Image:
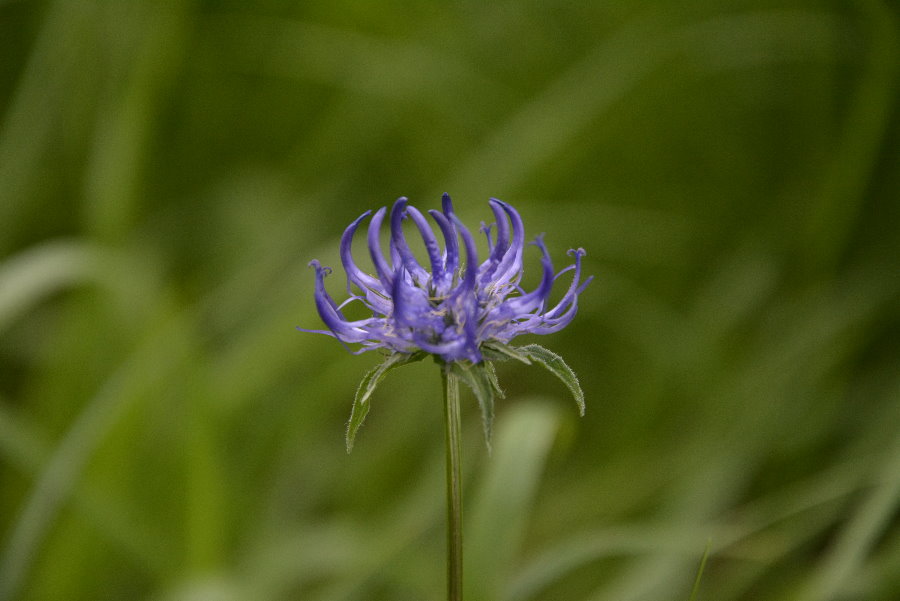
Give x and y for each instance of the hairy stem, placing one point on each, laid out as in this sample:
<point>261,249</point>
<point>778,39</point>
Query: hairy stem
<point>454,486</point>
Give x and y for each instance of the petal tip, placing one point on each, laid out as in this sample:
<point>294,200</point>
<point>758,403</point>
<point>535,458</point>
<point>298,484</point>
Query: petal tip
<point>324,270</point>
<point>447,204</point>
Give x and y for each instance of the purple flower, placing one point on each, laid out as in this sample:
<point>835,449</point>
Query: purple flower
<point>457,305</point>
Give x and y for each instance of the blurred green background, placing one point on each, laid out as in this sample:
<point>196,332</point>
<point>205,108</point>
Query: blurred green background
<point>168,168</point>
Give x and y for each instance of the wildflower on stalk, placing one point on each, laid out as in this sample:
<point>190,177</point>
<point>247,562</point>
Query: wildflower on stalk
<point>460,311</point>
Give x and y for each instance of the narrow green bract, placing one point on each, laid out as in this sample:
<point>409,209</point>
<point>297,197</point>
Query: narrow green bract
<point>492,376</point>
<point>555,364</point>
<point>534,353</point>
<point>478,378</point>
<point>367,386</point>
<point>499,350</point>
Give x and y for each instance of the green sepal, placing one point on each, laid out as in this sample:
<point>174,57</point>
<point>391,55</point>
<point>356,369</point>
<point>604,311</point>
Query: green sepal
<point>494,350</point>
<point>478,377</point>
<point>492,375</point>
<point>367,386</point>
<point>555,364</point>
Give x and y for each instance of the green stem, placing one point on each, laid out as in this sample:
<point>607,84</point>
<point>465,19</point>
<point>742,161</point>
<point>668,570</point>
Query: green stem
<point>454,486</point>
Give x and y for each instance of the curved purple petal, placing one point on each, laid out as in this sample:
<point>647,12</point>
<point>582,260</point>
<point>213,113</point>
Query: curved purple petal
<point>528,302</point>
<point>571,293</point>
<point>467,285</point>
<point>347,331</point>
<point>431,245</point>
<point>411,306</point>
<point>550,326</point>
<point>489,267</point>
<point>398,243</point>
<point>354,273</point>
<point>510,267</point>
<point>486,230</point>
<point>452,348</point>
<point>446,205</point>
<point>384,271</point>
<point>451,252</point>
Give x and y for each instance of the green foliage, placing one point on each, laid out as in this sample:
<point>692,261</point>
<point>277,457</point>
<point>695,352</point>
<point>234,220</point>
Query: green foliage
<point>367,386</point>
<point>483,383</point>
<point>555,365</point>
<point>168,168</point>
<point>695,590</point>
<point>504,496</point>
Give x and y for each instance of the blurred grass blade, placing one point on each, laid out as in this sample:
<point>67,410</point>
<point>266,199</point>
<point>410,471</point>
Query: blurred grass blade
<point>25,452</point>
<point>696,588</point>
<point>71,456</point>
<point>17,446</point>
<point>125,134</point>
<point>543,126</point>
<point>845,186</point>
<point>859,535</point>
<point>581,549</point>
<point>502,503</point>
<point>38,272</point>
<point>41,100</point>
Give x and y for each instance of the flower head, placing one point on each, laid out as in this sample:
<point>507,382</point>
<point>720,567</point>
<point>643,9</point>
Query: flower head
<point>453,308</point>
